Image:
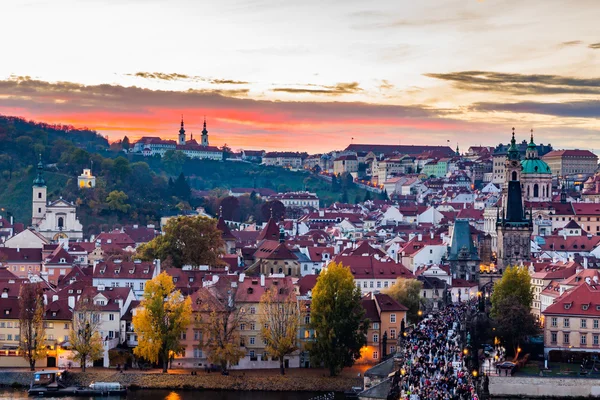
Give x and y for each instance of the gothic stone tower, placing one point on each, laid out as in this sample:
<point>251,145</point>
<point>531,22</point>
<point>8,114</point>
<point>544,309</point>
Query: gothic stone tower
<point>513,228</point>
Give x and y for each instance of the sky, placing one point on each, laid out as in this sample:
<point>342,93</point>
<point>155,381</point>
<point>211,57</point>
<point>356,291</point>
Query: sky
<point>308,75</point>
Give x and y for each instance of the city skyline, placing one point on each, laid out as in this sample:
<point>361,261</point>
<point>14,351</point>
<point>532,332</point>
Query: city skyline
<point>311,76</point>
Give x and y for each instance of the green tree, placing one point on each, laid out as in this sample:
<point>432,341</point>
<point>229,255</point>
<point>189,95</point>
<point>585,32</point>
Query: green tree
<point>337,317</point>
<point>173,161</point>
<point>511,307</point>
<point>117,201</point>
<point>186,240</point>
<point>384,195</point>
<point>408,293</point>
<point>344,197</point>
<point>367,196</point>
<point>181,188</point>
<point>32,340</point>
<point>164,314</point>
<point>121,169</point>
<point>125,144</point>
<point>280,318</point>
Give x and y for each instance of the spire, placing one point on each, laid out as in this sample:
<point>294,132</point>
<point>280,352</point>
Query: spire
<point>39,180</point>
<point>204,131</point>
<point>457,151</point>
<point>513,152</point>
<point>181,130</point>
<point>531,142</point>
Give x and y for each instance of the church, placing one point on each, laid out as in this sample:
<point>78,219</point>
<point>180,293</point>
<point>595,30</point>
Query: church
<point>513,227</point>
<point>56,219</point>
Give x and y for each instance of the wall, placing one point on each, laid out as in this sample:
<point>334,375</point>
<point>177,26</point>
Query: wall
<point>543,387</point>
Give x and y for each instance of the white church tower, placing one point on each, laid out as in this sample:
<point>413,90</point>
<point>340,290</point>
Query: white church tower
<point>39,196</point>
<point>204,134</point>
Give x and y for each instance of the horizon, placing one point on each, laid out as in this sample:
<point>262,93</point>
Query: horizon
<point>311,77</point>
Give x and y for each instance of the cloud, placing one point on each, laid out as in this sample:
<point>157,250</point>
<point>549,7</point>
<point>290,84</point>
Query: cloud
<point>385,85</point>
<point>571,43</point>
<point>519,84</point>
<point>228,82</point>
<point>161,76</point>
<point>336,90</point>
<point>575,109</point>
<point>594,46</point>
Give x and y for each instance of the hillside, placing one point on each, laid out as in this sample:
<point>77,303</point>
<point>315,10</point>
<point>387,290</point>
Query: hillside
<point>130,188</point>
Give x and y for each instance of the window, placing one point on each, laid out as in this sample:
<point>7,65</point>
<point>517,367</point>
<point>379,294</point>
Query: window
<point>307,319</point>
<point>365,284</point>
<point>554,321</point>
<point>596,339</point>
<point>306,334</point>
<point>375,338</point>
<point>66,325</point>
<point>375,325</point>
<point>375,355</point>
<point>197,335</point>
<point>9,337</point>
<point>252,326</point>
<point>111,317</point>
<point>242,327</point>
<point>583,339</point>
<point>378,284</point>
<point>566,338</point>
<point>183,335</point>
<point>553,337</point>
<point>371,284</point>
<point>566,322</point>
<point>198,353</point>
<point>252,340</point>
<point>392,334</point>
<point>141,286</point>
<point>264,342</point>
<point>392,349</point>
<point>583,323</point>
<point>595,324</point>
<point>252,310</point>
<point>393,318</point>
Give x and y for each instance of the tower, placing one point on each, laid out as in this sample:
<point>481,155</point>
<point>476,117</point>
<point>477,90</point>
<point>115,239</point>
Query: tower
<point>204,134</point>
<point>536,176</point>
<point>513,228</point>
<point>39,196</point>
<point>181,133</point>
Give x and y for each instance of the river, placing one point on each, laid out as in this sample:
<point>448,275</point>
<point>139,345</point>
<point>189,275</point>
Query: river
<point>185,395</point>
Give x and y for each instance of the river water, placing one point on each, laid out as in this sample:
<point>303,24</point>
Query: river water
<point>186,395</point>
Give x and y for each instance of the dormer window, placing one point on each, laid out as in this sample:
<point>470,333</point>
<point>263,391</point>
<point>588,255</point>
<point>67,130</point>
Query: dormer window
<point>567,306</point>
<point>62,261</point>
<point>191,279</point>
<point>584,307</point>
<point>54,313</point>
<point>70,291</point>
<point>7,311</point>
<point>198,301</point>
<point>175,280</point>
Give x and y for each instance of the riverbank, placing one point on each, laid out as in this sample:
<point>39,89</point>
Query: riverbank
<point>543,388</point>
<point>297,380</point>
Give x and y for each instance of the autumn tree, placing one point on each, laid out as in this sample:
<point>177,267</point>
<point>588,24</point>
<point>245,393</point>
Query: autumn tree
<point>117,201</point>
<point>186,240</point>
<point>164,314</point>
<point>274,209</point>
<point>280,319</point>
<point>31,319</point>
<point>219,321</point>
<point>511,307</point>
<point>84,337</point>
<point>338,318</point>
<point>408,293</point>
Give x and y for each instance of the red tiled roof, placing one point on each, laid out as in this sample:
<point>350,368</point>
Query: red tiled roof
<point>307,283</point>
<point>582,300</point>
<point>9,254</point>
<point>226,232</point>
<point>269,232</point>
<point>370,310</point>
<point>570,153</point>
<point>124,270</point>
<point>386,303</point>
<point>367,267</point>
<point>250,290</point>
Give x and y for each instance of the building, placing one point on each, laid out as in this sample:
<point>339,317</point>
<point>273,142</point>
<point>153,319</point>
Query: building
<point>571,163</point>
<point>297,199</point>
<point>499,157</point>
<point>54,220</point>
<point>124,274</point>
<point>345,164</point>
<point>284,159</point>
<point>382,149</point>
<point>86,179</point>
<point>513,228</point>
<point>536,175</point>
<point>463,257</point>
<point>572,323</point>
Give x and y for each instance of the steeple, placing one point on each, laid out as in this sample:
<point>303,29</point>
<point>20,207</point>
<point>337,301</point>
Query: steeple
<point>204,134</point>
<point>39,180</point>
<point>513,152</point>
<point>457,151</point>
<point>181,133</point>
<point>531,152</point>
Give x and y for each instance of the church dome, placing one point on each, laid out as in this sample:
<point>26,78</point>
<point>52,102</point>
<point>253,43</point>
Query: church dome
<point>535,166</point>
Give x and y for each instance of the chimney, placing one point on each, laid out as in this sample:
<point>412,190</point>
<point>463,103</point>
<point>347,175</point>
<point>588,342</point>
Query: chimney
<point>71,302</point>
<point>54,297</point>
<point>157,267</point>
<point>595,278</point>
<point>262,280</point>
<point>585,262</point>
<point>45,299</point>
<point>18,250</point>
<point>420,237</point>
<point>432,235</point>
<point>242,276</point>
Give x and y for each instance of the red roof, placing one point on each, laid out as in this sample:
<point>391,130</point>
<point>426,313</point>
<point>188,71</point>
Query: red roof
<point>226,232</point>
<point>281,252</point>
<point>370,310</point>
<point>386,303</point>
<point>586,208</point>
<point>269,232</point>
<point>251,291</point>
<point>367,267</point>
<point>307,283</point>
<point>570,153</point>
<point>124,270</point>
<point>582,300</point>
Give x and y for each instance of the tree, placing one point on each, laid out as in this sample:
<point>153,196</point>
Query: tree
<point>408,293</point>
<point>338,319</point>
<point>219,320</point>
<point>116,201</point>
<point>125,143</point>
<point>173,161</point>
<point>273,209</point>
<point>335,184</point>
<point>164,314</point>
<point>31,319</point>
<point>384,195</point>
<point>181,188</point>
<point>229,207</point>
<point>121,168</point>
<point>280,320</point>
<point>186,240</point>
<point>84,337</point>
<point>511,306</point>
<point>367,196</point>
<point>515,283</point>
<point>344,197</point>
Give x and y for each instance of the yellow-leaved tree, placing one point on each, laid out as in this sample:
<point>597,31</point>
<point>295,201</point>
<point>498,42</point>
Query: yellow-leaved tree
<point>280,318</point>
<point>164,314</point>
<point>84,337</point>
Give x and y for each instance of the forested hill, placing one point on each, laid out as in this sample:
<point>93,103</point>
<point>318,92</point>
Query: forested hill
<point>130,188</point>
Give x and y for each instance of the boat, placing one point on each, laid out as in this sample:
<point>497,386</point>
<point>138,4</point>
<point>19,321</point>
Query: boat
<point>53,383</point>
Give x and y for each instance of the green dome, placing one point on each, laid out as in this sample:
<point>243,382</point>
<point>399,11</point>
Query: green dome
<point>535,166</point>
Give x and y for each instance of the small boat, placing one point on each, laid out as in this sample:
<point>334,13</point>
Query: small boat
<point>353,393</point>
<point>52,383</point>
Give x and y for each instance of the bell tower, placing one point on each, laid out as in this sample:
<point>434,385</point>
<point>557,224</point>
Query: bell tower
<point>204,134</point>
<point>181,133</point>
<point>39,196</point>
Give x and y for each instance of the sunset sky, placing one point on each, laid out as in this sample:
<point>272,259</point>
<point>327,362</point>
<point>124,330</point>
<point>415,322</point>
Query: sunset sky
<point>308,75</point>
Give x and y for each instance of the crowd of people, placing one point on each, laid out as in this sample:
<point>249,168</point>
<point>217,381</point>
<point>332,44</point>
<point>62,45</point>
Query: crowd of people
<point>431,359</point>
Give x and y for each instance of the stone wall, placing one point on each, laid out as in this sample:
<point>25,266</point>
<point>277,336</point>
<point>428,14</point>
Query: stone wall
<point>152,380</point>
<point>529,387</point>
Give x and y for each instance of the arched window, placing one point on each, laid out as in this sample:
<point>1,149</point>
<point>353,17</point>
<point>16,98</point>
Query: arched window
<point>61,222</point>
<point>536,190</point>
<point>39,195</point>
<point>528,191</point>
<point>514,175</point>
<point>544,191</point>
<point>280,270</point>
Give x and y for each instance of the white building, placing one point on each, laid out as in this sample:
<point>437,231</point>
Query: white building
<point>86,179</point>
